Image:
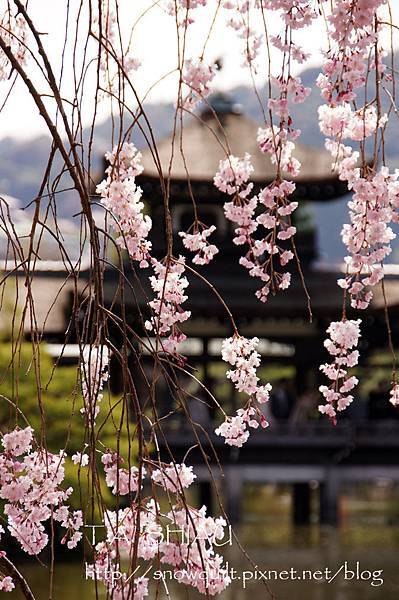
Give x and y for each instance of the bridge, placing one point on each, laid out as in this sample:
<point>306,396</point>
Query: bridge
<point>296,455</point>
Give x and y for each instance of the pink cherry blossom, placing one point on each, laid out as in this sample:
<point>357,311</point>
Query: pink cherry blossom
<point>122,198</point>
<point>18,441</point>
<point>14,32</point>
<point>122,481</point>
<point>196,240</point>
<point>182,10</point>
<point>6,584</point>
<point>190,553</point>
<point>31,485</point>
<point>94,374</point>
<point>174,477</point>
<point>275,210</point>
<point>80,459</point>
<point>341,345</point>
<point>394,395</point>
<point>197,76</point>
<point>241,353</point>
<point>169,285</point>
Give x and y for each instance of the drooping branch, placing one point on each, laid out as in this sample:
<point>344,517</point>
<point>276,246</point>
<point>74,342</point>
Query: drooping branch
<point>18,577</point>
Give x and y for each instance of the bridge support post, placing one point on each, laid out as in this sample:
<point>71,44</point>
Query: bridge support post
<point>329,498</point>
<point>233,492</point>
<point>301,496</point>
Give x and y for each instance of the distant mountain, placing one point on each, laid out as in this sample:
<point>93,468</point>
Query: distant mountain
<point>23,162</point>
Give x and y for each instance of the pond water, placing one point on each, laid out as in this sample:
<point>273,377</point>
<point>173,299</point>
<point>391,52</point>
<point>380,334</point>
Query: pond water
<point>305,550</point>
<point>367,542</point>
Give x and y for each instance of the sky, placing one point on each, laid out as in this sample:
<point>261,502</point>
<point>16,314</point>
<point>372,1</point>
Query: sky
<point>154,44</point>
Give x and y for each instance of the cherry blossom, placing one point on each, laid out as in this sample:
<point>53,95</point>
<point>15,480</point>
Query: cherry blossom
<point>278,143</point>
<point>275,208</point>
<point>241,353</point>
<point>113,57</point>
<point>122,481</point>
<point>80,459</point>
<point>191,551</point>
<point>341,345</point>
<point>369,234</point>
<point>233,173</point>
<point>197,76</point>
<point>169,285</point>
<point>30,483</point>
<point>342,122</point>
<point>239,19</point>
<point>297,53</point>
<point>195,554</point>
<point>122,197</point>
<point>196,240</point>
<point>394,395</point>
<point>297,14</point>
<point>14,33</point>
<point>174,477</point>
<point>182,10</point>
<point>72,522</point>
<point>94,373</point>
<point>18,441</point>
<point>6,584</point>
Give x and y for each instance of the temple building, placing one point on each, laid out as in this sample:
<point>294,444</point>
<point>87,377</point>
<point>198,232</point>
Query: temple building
<point>299,447</point>
<point>288,337</point>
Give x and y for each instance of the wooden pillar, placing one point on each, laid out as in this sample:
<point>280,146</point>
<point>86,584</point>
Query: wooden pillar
<point>301,507</point>
<point>205,495</point>
<point>234,491</point>
<point>329,498</point>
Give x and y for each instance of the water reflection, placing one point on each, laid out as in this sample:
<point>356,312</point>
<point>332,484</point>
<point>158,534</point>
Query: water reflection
<point>369,537</point>
<point>303,549</point>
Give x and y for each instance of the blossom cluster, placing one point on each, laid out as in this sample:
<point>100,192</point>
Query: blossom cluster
<point>14,33</point>
<point>122,198</point>
<point>271,209</point>
<point>278,142</point>
<point>169,285</point>
<point>342,346</point>
<point>281,144</point>
<point>355,48</point>
<point>31,485</point>
<point>174,477</point>
<point>368,236</point>
<point>191,555</point>
<point>182,10</point>
<point>275,140</point>
<point>94,373</point>
<point>197,76</point>
<point>352,32</point>
<point>6,584</point>
<point>244,14</point>
<point>142,524</point>
<point>239,20</point>
<point>372,207</point>
<point>121,481</point>
<point>196,240</point>
<point>394,395</point>
<point>241,353</point>
<point>195,553</point>
<point>296,14</point>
